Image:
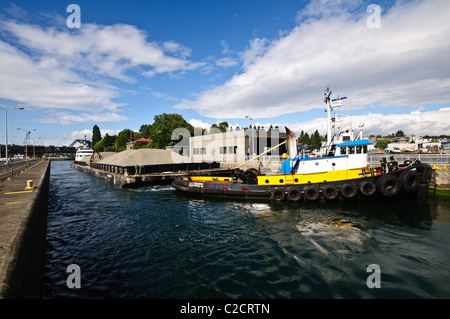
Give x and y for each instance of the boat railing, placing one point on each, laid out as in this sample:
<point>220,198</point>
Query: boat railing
<point>432,159</point>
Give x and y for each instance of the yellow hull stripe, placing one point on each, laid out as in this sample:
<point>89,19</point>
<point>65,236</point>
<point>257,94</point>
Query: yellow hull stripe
<point>292,179</point>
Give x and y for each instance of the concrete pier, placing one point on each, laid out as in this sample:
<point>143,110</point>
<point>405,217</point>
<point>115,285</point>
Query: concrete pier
<point>440,179</point>
<point>23,214</point>
<point>128,180</point>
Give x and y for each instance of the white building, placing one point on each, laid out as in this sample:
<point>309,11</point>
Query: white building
<point>237,146</point>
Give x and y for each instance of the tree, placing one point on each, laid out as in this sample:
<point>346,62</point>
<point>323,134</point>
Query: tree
<point>304,138</point>
<point>96,135</point>
<point>223,126</point>
<point>122,138</point>
<point>107,143</point>
<point>315,140</point>
<point>160,132</point>
<point>382,143</point>
<point>145,130</point>
<point>399,134</point>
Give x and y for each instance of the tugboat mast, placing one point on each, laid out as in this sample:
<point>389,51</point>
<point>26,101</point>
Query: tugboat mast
<point>327,101</point>
<point>331,120</point>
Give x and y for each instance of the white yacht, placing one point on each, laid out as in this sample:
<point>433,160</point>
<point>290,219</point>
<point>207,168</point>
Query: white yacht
<point>84,153</point>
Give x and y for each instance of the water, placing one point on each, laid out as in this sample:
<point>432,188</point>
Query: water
<point>154,242</point>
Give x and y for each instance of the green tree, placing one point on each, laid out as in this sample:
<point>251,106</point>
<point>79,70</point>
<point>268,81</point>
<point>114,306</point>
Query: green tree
<point>399,134</point>
<point>160,131</point>
<point>382,143</point>
<point>223,126</point>
<point>145,130</point>
<point>315,141</point>
<point>123,137</point>
<point>304,138</point>
<point>107,143</point>
<point>96,135</point>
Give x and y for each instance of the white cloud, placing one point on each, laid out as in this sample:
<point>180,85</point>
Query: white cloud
<point>107,50</point>
<point>414,123</point>
<point>198,123</point>
<point>226,62</point>
<point>403,63</point>
<point>67,69</point>
<point>63,117</point>
<point>43,83</point>
<point>79,135</point>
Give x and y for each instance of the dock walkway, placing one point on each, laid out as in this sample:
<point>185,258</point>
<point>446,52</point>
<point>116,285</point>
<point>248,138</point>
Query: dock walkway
<point>23,213</point>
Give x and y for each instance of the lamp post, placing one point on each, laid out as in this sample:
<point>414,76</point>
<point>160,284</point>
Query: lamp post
<point>253,138</point>
<point>6,109</point>
<point>27,138</point>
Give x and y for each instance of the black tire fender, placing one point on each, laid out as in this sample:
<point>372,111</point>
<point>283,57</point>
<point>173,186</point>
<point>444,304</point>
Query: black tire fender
<point>388,185</point>
<point>312,193</point>
<point>367,188</point>
<point>278,194</point>
<point>348,191</point>
<point>410,181</point>
<point>294,194</point>
<point>330,192</point>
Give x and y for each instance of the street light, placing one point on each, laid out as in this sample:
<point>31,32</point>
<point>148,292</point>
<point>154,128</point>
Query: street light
<point>27,138</point>
<point>253,138</point>
<point>6,127</point>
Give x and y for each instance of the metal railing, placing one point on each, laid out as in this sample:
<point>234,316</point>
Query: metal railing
<point>7,170</point>
<point>432,159</point>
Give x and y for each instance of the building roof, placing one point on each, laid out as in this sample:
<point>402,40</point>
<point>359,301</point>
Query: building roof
<point>354,143</point>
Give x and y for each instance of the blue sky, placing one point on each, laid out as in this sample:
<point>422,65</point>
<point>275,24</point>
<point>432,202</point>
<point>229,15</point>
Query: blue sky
<point>222,60</point>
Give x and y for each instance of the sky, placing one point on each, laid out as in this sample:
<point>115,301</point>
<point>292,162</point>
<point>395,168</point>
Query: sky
<point>216,60</point>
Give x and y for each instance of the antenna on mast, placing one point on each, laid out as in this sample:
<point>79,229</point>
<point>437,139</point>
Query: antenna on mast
<point>351,126</point>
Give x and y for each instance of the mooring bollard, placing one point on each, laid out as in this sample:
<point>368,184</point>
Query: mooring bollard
<point>29,184</point>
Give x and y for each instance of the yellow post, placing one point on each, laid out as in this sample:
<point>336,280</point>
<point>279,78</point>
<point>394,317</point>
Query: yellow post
<point>29,184</point>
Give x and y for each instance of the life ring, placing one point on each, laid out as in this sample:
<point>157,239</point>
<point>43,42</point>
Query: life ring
<point>410,181</point>
<point>294,194</point>
<point>330,192</point>
<point>278,194</point>
<point>367,188</point>
<point>312,193</point>
<point>388,185</point>
<point>348,191</point>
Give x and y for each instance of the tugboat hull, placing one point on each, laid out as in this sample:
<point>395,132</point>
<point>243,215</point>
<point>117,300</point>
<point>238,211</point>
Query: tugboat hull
<point>412,182</point>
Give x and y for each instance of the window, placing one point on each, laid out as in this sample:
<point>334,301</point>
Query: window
<point>358,149</point>
<point>365,149</point>
<point>343,150</point>
<point>228,150</point>
<point>351,150</point>
<point>199,151</point>
<point>232,149</point>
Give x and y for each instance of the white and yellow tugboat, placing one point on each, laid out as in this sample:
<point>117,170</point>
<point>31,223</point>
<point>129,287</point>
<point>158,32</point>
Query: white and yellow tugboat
<point>340,170</point>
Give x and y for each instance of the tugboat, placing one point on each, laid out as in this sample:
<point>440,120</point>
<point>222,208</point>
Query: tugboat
<point>339,171</point>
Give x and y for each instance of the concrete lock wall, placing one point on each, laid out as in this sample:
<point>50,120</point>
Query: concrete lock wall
<point>22,270</point>
<point>442,178</point>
